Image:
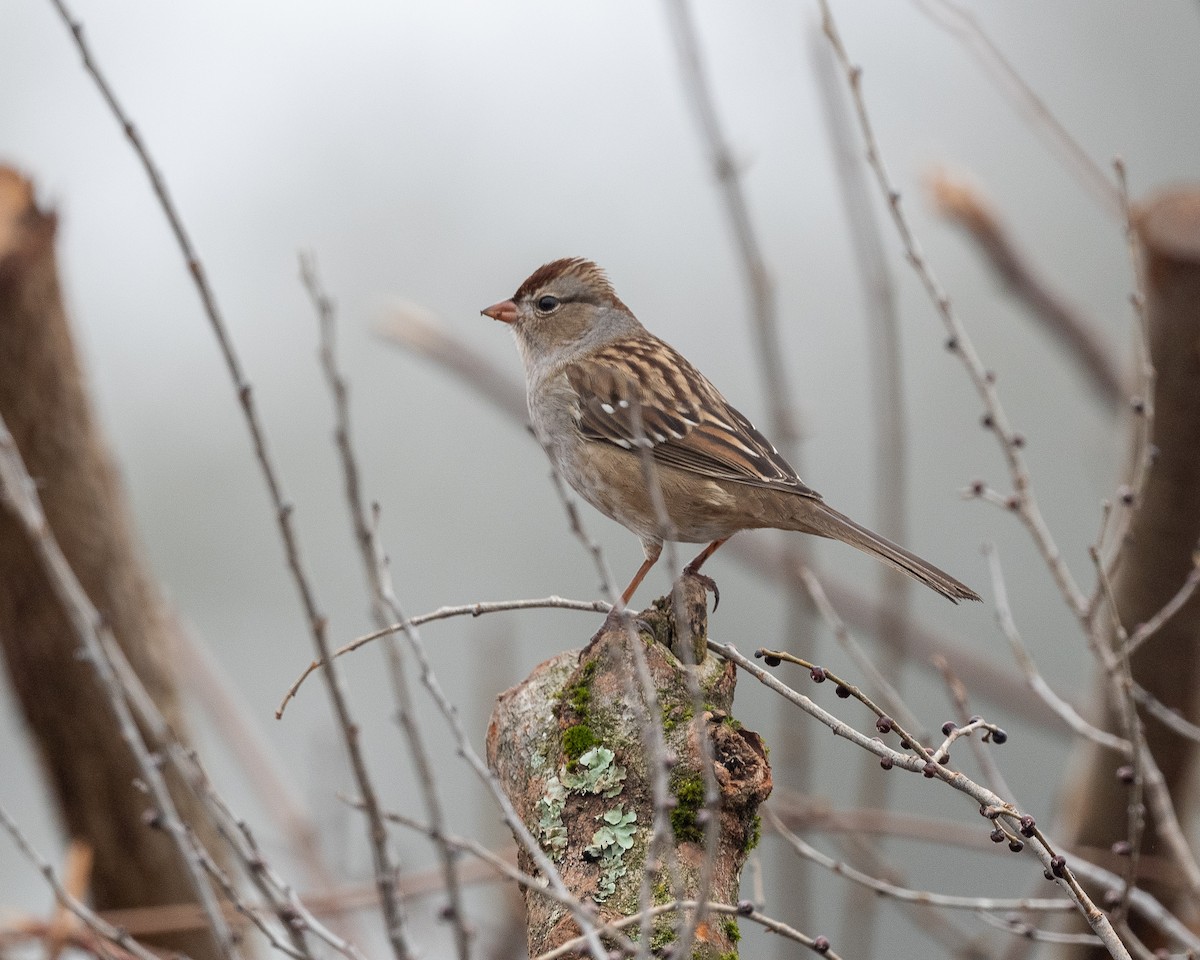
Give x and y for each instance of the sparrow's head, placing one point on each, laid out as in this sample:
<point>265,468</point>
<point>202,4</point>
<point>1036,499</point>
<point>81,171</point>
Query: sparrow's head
<point>564,309</point>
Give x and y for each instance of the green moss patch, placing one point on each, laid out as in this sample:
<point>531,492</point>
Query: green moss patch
<point>576,741</point>
<point>689,794</point>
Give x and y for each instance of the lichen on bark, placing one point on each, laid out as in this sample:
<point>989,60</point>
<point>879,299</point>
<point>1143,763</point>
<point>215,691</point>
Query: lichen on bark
<point>568,746</point>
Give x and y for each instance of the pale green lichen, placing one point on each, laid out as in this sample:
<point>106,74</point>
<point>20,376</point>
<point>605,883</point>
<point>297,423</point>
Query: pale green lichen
<point>608,845</point>
<point>551,830</point>
<point>595,774</point>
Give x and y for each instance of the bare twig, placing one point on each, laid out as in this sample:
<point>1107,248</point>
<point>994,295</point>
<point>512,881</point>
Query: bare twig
<point>384,605</point>
<point>924,897</point>
<point>964,204</point>
<point>85,914</point>
<point>507,869</point>
<point>18,495</point>
<point>1019,928</point>
<point>886,692</point>
<point>818,945</point>
<point>781,419</point>
<point>963,24</point>
<point>1001,812</point>
<point>1142,459</point>
<point>1120,676</point>
<point>802,813</point>
<point>995,419</point>
<point>1164,714</point>
<point>1148,629</point>
<point>782,422</point>
<point>860,918</point>
<point>657,759</point>
<point>444,613</point>
<point>987,763</point>
<point>294,915</point>
<point>243,736</point>
<point>1069,715</point>
<point>653,738</point>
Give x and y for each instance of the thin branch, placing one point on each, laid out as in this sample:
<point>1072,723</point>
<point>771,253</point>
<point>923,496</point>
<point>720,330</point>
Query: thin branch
<point>818,945</point>
<point>18,495</point>
<point>657,759</point>
<point>995,419</point>
<point>889,422</point>
<point>923,897</point>
<point>514,873</point>
<point>962,203</point>
<point>293,914</point>
<point>1120,677</point>
<point>803,813</point>
<point>964,25</point>
<point>444,613</point>
<point>987,763</point>
<point>781,419</point>
<point>1069,715</point>
<point>384,605</point>
<point>1000,811</point>
<point>414,886</point>
<point>85,914</point>
<point>1145,631</point>
<point>243,736</point>
<point>1018,928</point>
<point>888,693</point>
<point>1164,714</point>
<point>1143,454</point>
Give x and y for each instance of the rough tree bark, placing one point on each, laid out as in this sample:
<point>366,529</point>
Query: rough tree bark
<point>44,401</point>
<point>1159,555</point>
<point>568,747</point>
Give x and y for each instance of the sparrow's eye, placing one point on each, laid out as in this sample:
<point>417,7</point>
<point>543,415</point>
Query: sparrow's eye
<point>547,304</point>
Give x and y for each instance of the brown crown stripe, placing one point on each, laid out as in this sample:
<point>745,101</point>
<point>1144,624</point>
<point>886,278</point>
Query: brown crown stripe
<point>586,270</point>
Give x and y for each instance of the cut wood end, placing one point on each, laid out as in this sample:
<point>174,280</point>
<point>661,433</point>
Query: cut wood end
<point>1169,223</point>
<point>22,224</point>
<point>958,199</point>
<point>414,326</point>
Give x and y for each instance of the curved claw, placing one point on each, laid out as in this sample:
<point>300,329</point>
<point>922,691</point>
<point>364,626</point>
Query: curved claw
<point>708,583</point>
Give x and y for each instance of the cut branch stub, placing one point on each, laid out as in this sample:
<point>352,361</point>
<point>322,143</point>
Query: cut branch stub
<point>569,747</point>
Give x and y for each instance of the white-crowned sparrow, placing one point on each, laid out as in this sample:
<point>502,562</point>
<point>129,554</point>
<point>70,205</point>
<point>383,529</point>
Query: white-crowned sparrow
<point>591,367</point>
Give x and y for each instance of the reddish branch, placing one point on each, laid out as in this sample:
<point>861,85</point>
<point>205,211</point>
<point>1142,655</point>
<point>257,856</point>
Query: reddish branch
<point>966,206</point>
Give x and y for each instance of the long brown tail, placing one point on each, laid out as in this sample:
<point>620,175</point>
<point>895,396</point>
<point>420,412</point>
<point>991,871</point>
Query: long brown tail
<point>823,520</point>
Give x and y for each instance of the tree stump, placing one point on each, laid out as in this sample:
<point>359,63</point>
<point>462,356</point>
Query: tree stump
<point>569,747</point>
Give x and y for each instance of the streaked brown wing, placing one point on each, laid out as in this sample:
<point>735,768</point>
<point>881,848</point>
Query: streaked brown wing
<point>684,418</point>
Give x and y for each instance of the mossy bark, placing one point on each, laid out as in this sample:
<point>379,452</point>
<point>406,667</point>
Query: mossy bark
<point>568,746</point>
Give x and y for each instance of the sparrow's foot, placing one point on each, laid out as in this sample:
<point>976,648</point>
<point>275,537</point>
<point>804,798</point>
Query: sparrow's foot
<point>707,582</point>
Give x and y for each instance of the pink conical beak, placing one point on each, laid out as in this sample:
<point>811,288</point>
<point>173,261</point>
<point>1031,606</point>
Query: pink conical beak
<point>505,311</point>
